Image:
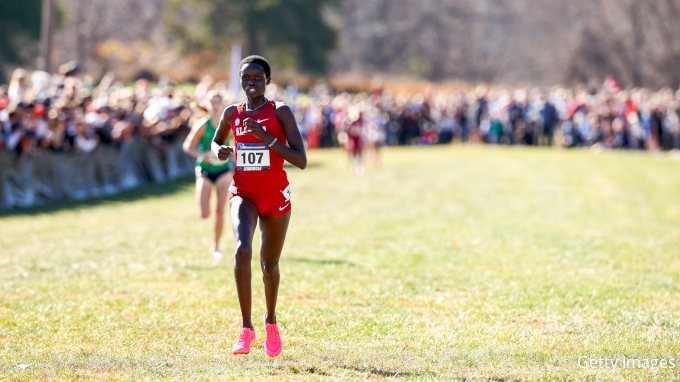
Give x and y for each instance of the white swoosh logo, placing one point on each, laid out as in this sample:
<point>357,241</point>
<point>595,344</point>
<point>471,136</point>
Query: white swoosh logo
<point>283,208</point>
<point>262,120</point>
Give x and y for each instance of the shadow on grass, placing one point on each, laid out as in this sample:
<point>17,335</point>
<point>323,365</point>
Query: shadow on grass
<point>366,370</point>
<point>390,374</point>
<point>142,192</point>
<point>416,374</point>
<point>318,262</point>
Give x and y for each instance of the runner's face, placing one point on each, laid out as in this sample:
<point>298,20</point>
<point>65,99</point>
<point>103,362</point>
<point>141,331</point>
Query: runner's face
<point>216,103</point>
<point>253,80</point>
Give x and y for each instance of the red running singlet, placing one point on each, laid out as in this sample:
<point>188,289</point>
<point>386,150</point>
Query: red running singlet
<point>249,176</point>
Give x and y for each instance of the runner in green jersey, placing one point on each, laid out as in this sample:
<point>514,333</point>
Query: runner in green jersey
<point>210,171</point>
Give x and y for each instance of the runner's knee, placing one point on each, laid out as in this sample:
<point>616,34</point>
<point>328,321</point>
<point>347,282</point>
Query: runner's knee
<point>243,254</point>
<point>219,211</point>
<point>205,214</point>
<point>270,268</point>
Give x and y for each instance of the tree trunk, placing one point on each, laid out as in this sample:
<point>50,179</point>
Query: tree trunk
<point>638,42</point>
<point>252,44</point>
<point>46,36</point>
<point>80,20</point>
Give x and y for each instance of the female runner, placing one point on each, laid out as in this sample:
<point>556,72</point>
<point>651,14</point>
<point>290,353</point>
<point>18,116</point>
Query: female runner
<point>209,170</point>
<point>265,133</point>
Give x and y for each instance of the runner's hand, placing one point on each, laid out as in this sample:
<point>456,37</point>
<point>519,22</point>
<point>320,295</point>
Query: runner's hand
<point>254,128</point>
<point>224,152</point>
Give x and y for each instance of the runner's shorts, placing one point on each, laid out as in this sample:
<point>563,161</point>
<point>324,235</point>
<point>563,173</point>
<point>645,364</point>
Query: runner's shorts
<point>273,203</point>
<point>212,176</point>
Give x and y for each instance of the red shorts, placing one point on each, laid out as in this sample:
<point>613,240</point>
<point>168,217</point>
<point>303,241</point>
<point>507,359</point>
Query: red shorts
<point>273,203</point>
<point>354,145</point>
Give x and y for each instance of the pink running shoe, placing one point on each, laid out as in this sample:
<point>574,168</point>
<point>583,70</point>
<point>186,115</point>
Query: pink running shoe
<point>245,339</point>
<point>272,340</point>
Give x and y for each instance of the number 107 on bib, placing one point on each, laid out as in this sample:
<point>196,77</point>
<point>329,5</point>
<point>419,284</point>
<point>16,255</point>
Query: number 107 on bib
<point>252,157</point>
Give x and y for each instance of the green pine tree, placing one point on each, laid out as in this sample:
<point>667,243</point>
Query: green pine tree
<point>19,25</point>
<point>20,30</point>
<point>291,33</point>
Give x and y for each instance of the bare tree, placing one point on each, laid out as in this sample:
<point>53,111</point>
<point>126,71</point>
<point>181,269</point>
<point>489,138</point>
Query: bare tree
<point>637,41</point>
<point>535,41</point>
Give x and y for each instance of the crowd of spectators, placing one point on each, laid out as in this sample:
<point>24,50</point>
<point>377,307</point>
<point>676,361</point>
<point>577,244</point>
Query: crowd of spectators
<point>54,128</point>
<point>67,113</point>
<point>598,115</point>
<point>63,137</point>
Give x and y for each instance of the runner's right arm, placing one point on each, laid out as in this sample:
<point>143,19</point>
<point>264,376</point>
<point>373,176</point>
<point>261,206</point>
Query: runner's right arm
<point>222,134</point>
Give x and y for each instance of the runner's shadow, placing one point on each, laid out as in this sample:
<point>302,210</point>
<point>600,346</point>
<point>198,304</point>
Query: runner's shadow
<point>319,262</point>
<point>390,374</point>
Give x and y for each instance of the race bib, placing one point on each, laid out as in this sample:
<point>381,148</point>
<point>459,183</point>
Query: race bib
<point>252,156</point>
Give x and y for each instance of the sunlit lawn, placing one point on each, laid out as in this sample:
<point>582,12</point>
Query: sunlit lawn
<point>447,262</point>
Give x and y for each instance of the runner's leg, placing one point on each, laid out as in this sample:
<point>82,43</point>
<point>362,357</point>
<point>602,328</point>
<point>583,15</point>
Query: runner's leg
<point>273,234</point>
<point>203,187</point>
<point>222,186</point>
<point>243,220</point>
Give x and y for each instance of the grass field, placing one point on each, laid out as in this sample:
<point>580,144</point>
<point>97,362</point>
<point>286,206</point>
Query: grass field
<point>445,263</point>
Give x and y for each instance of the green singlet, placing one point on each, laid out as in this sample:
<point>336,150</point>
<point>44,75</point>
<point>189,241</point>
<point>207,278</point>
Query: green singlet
<point>204,146</point>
